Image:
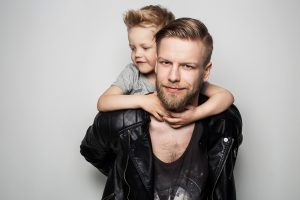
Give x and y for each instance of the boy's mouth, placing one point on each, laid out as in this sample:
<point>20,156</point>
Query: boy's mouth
<point>140,62</point>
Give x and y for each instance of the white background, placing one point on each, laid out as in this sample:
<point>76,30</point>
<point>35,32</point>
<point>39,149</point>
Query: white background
<point>57,57</point>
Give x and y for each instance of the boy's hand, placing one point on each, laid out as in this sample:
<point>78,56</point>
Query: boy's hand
<point>152,105</point>
<point>177,120</point>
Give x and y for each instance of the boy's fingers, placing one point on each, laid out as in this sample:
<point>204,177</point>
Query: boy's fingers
<point>175,126</point>
<point>162,113</point>
<point>171,120</point>
<point>158,117</point>
<point>174,115</point>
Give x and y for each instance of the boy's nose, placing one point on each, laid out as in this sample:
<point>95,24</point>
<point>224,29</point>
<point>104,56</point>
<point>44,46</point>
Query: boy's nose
<point>174,74</point>
<point>138,53</point>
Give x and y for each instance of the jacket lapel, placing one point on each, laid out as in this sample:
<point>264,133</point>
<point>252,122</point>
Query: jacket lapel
<point>140,152</point>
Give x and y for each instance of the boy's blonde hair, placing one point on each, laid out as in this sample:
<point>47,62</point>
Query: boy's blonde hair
<point>152,15</point>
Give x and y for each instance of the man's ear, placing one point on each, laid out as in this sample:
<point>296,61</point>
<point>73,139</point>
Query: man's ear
<point>207,69</point>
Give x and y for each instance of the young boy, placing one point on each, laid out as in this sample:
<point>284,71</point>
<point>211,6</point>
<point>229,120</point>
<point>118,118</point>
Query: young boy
<point>139,77</point>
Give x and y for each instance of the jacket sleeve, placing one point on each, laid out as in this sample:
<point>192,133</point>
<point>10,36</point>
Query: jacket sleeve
<point>224,139</point>
<point>95,146</point>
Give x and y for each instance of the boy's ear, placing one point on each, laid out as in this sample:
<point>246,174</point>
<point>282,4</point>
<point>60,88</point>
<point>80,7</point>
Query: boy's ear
<point>207,69</point>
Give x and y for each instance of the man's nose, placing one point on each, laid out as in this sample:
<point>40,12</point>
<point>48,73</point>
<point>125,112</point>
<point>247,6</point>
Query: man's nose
<point>174,75</point>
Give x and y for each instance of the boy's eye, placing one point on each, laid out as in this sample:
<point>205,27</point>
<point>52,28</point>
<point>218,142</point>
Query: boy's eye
<point>146,48</point>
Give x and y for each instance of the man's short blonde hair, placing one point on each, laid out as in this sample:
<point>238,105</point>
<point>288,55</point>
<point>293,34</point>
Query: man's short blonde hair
<point>188,29</point>
<point>152,15</point>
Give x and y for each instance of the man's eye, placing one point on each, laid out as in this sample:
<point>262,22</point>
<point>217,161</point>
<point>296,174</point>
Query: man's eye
<point>187,67</point>
<point>164,62</point>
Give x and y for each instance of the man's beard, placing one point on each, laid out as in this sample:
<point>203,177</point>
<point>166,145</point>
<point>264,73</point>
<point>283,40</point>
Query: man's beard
<point>175,103</point>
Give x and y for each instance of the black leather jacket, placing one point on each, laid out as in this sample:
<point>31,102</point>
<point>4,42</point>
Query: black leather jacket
<point>118,144</point>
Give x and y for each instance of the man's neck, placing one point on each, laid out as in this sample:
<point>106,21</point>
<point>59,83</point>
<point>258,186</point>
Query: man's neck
<point>168,143</point>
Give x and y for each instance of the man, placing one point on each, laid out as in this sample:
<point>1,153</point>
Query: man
<point>147,159</point>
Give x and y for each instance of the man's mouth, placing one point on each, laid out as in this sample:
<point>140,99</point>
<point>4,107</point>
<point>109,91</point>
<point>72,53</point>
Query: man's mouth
<point>171,89</point>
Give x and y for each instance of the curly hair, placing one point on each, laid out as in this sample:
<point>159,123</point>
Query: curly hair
<point>152,15</point>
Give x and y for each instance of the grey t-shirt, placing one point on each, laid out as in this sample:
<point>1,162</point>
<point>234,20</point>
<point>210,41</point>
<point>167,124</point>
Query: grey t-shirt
<point>131,81</point>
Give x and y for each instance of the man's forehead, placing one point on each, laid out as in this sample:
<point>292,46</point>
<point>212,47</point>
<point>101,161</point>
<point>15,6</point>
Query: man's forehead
<point>181,49</point>
<point>180,40</point>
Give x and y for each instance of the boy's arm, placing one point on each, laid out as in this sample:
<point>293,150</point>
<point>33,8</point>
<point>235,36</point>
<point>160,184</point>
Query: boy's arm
<point>114,99</point>
<point>219,100</point>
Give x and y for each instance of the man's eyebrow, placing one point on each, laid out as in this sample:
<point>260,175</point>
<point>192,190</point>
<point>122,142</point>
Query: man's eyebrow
<point>189,63</point>
<point>182,63</point>
<point>161,58</point>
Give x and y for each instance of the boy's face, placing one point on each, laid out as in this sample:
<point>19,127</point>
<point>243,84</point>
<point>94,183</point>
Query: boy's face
<point>143,48</point>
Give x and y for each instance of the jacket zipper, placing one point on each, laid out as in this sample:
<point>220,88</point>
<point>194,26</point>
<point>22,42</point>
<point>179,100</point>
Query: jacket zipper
<point>212,192</point>
<point>127,159</point>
